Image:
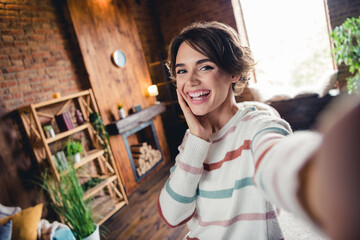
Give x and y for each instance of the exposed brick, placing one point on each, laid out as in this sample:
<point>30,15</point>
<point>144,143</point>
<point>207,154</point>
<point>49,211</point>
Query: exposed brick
<point>17,63</point>
<point>4,12</point>
<point>13,69</point>
<point>7,38</point>
<point>41,54</point>
<point>7,84</point>
<point>13,32</point>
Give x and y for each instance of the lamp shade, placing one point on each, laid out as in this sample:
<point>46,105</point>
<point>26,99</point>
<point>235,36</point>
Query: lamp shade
<point>153,90</point>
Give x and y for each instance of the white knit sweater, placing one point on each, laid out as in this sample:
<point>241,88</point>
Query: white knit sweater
<point>219,187</point>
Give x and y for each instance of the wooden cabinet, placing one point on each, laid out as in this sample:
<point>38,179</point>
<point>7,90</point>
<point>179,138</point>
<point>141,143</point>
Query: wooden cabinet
<point>107,192</point>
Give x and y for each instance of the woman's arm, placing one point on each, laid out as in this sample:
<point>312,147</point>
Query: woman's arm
<point>329,189</point>
<point>177,200</point>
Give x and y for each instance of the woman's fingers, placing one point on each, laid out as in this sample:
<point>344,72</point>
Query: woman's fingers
<point>198,126</point>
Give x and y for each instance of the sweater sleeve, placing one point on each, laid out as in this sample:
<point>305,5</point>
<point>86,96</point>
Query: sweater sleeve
<point>279,156</point>
<point>177,200</point>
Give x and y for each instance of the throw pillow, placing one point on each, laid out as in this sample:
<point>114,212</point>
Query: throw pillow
<point>25,223</point>
<point>5,230</point>
<point>8,211</point>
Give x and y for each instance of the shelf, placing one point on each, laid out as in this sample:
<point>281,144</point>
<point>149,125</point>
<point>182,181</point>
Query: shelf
<point>89,193</point>
<point>105,208</point>
<point>104,166</point>
<point>67,133</point>
<point>134,120</point>
<point>61,99</point>
<point>93,154</point>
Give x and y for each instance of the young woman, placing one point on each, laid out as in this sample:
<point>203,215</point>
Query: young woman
<point>232,161</point>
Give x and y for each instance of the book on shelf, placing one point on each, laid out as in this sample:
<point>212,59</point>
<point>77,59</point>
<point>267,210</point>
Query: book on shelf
<point>60,161</point>
<point>64,121</point>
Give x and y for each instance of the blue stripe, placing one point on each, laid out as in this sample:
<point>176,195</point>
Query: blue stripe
<point>226,193</point>
<point>273,129</point>
<point>172,169</point>
<point>178,197</point>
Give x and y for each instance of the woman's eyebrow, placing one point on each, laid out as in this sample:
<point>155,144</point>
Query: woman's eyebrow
<point>179,65</point>
<point>197,62</point>
<point>204,60</point>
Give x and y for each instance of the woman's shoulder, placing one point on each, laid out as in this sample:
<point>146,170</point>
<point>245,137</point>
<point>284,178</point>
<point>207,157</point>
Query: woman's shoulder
<point>258,108</point>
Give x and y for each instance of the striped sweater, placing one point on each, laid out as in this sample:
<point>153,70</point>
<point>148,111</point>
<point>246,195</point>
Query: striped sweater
<point>223,188</point>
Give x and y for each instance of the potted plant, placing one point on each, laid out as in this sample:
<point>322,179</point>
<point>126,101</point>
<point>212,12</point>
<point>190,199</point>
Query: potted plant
<point>121,110</point>
<point>68,202</point>
<point>346,39</point>
<point>73,150</point>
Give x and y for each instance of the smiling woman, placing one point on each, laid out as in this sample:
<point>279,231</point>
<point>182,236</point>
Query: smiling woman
<point>235,163</point>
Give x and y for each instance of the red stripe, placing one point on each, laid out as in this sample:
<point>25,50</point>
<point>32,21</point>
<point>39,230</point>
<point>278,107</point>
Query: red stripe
<point>229,156</point>
<point>262,156</point>
<point>190,238</point>
<point>163,218</point>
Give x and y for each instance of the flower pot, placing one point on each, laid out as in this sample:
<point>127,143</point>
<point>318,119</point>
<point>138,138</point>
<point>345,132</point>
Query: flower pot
<point>94,236</point>
<point>122,113</point>
<point>77,158</point>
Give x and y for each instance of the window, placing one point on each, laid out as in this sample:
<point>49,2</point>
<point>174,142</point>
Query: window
<point>289,40</point>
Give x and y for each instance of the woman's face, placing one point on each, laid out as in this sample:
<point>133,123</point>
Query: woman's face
<point>203,85</point>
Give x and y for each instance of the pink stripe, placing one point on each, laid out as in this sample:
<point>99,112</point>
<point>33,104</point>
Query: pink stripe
<point>190,169</point>
<point>268,139</point>
<point>229,156</point>
<point>231,130</point>
<point>164,219</point>
<point>240,217</point>
<point>249,117</point>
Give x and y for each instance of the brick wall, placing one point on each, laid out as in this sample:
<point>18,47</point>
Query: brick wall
<point>175,15</point>
<point>38,55</point>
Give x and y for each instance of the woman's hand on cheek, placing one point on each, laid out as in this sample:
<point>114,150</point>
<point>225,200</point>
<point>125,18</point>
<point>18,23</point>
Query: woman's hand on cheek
<point>198,125</point>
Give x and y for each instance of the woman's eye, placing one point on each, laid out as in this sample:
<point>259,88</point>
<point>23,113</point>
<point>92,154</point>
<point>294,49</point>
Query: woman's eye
<point>204,68</point>
<point>181,71</point>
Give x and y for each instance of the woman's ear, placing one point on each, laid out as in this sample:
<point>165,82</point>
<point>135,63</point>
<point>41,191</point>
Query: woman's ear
<point>234,78</point>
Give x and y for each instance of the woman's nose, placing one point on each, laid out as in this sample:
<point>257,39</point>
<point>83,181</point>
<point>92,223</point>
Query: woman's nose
<point>193,78</point>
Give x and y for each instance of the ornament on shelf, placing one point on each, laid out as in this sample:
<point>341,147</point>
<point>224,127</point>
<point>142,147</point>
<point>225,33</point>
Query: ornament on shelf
<point>121,111</point>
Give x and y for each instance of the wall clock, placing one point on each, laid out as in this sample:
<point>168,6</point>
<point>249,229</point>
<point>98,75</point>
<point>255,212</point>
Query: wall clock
<point>118,57</point>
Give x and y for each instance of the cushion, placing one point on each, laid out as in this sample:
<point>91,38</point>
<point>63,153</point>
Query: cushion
<point>5,230</point>
<point>63,233</point>
<point>8,211</point>
<point>327,82</point>
<point>25,223</point>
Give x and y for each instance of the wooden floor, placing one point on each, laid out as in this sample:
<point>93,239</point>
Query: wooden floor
<point>140,219</point>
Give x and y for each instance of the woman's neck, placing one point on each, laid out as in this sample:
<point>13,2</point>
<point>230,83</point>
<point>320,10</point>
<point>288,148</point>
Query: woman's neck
<point>222,115</point>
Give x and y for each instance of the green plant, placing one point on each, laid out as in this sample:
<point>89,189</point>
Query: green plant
<point>99,127</point>
<point>346,39</point>
<point>73,147</point>
<point>68,201</point>
<point>119,105</point>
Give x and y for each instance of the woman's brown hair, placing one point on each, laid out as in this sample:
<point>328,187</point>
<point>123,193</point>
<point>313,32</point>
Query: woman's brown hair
<point>220,43</point>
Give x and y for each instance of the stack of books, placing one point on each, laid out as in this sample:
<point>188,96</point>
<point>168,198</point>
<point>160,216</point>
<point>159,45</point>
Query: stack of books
<point>64,121</point>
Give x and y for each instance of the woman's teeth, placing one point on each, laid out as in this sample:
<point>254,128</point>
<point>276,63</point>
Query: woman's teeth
<point>199,95</point>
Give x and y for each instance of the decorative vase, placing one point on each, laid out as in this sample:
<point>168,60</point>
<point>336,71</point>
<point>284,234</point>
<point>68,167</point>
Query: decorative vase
<point>79,117</point>
<point>94,236</point>
<point>77,158</point>
<point>122,113</point>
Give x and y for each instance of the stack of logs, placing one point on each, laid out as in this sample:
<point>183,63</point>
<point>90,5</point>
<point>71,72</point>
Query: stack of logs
<point>145,157</point>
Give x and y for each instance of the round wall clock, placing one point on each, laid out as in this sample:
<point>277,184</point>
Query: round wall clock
<point>119,58</point>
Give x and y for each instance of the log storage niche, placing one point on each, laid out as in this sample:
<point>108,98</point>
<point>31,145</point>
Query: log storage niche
<point>140,139</point>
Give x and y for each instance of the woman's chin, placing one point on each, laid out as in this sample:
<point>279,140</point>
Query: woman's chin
<point>198,112</point>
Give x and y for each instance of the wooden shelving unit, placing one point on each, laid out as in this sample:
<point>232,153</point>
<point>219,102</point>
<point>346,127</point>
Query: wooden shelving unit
<point>35,116</point>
